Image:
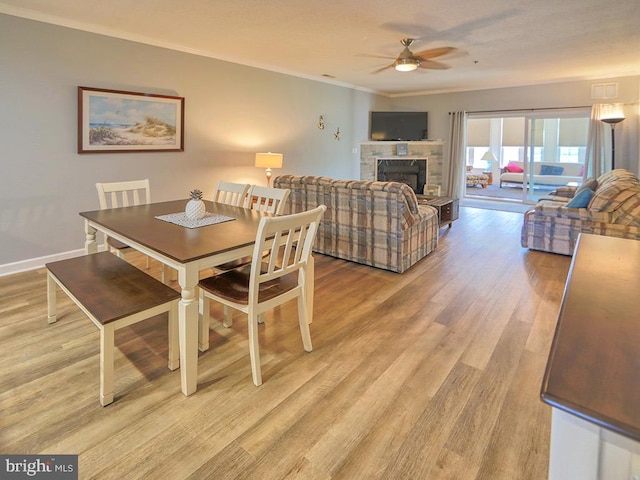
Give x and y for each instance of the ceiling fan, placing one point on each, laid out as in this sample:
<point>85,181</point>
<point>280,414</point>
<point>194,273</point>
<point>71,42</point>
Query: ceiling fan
<point>408,61</point>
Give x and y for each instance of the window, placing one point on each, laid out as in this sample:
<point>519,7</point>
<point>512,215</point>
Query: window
<point>529,137</point>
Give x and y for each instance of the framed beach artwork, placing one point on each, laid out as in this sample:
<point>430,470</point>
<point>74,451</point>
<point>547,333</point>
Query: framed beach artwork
<point>115,121</point>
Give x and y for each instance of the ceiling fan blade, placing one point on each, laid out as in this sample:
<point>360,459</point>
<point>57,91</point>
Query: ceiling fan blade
<point>430,64</point>
<point>434,52</point>
<point>383,69</point>
<point>377,56</point>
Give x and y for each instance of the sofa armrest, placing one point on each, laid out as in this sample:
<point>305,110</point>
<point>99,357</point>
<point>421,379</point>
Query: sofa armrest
<point>560,209</point>
<point>567,192</point>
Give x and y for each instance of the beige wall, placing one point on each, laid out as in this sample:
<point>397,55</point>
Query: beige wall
<point>232,111</point>
<point>556,95</point>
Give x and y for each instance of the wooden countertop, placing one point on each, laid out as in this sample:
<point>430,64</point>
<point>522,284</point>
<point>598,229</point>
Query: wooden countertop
<point>593,369</point>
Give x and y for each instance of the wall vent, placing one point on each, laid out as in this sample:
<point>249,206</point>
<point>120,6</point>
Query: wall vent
<point>604,90</point>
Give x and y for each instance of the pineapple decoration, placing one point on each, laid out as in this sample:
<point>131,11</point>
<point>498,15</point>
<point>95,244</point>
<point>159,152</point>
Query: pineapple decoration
<point>195,209</point>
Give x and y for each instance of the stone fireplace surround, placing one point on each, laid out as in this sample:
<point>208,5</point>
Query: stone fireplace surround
<point>430,152</point>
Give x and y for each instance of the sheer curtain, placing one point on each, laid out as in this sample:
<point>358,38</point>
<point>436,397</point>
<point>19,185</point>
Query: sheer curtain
<point>597,159</point>
<point>457,141</point>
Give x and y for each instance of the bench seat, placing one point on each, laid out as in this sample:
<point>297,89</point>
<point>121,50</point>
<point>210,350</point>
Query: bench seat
<point>113,294</point>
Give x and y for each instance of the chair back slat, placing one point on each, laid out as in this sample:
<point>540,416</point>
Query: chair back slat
<point>123,194</point>
<point>292,235</point>
<point>231,193</point>
<point>266,199</point>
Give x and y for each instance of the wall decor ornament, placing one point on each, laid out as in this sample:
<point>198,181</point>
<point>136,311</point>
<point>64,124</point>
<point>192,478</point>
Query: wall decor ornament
<point>112,121</point>
<point>337,134</point>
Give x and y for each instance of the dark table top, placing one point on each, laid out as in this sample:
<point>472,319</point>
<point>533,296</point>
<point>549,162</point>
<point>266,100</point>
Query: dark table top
<point>138,223</point>
<point>593,369</point>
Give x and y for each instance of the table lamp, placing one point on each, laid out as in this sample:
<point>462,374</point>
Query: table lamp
<point>489,157</point>
<point>269,160</point>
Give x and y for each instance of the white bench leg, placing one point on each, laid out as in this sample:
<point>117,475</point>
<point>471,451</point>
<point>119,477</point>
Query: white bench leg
<point>106,365</point>
<point>51,299</point>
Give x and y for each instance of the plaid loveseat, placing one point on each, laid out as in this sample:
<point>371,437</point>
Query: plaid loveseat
<point>374,223</point>
<point>614,210</point>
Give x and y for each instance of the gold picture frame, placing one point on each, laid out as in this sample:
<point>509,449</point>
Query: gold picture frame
<point>113,121</point>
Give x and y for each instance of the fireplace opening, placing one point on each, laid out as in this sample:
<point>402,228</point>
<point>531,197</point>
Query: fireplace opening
<point>411,172</point>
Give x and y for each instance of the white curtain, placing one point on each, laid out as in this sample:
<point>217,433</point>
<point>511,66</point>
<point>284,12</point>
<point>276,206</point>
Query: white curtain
<point>598,156</point>
<point>457,141</point>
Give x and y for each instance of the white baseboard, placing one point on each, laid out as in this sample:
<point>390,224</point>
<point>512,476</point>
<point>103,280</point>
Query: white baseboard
<point>35,263</point>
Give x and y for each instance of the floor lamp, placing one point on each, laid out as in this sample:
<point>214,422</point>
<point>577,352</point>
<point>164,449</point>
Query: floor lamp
<point>612,114</point>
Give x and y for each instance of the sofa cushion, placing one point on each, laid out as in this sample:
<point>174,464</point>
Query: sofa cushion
<point>590,183</point>
<point>629,212</point>
<point>581,199</point>
<point>616,176</point>
<point>551,170</point>
<point>612,195</point>
<point>513,168</point>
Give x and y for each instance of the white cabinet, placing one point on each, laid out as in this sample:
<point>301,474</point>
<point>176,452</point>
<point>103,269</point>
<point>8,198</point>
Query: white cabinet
<point>581,450</point>
<point>592,379</point>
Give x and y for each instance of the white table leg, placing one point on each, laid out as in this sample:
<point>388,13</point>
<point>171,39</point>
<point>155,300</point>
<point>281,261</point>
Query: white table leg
<point>188,329</point>
<point>90,245</point>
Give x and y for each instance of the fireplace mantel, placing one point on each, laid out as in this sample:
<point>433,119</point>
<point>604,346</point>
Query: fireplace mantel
<point>371,152</point>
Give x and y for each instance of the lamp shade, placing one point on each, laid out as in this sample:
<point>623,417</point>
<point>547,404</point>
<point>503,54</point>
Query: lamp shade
<point>612,112</point>
<point>269,160</point>
<point>489,156</point>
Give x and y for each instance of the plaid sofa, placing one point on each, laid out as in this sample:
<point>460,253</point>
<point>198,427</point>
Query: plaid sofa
<point>374,223</point>
<point>614,210</point>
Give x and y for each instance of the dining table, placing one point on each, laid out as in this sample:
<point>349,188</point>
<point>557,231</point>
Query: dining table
<point>187,249</point>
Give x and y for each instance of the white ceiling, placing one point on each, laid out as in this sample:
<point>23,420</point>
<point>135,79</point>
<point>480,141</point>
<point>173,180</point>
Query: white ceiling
<point>500,42</point>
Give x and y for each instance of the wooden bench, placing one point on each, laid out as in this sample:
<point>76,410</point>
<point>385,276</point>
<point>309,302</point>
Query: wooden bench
<point>113,294</point>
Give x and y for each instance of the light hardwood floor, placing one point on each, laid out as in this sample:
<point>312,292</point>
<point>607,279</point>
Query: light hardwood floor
<point>431,374</point>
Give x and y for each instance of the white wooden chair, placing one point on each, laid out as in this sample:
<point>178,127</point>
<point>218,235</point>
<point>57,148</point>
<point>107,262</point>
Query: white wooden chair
<point>231,193</point>
<point>267,199</point>
<point>261,286</point>
<point>125,194</point>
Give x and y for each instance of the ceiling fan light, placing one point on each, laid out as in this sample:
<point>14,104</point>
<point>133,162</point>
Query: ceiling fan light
<point>406,64</point>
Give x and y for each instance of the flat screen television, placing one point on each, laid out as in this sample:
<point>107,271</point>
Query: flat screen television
<point>404,126</point>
